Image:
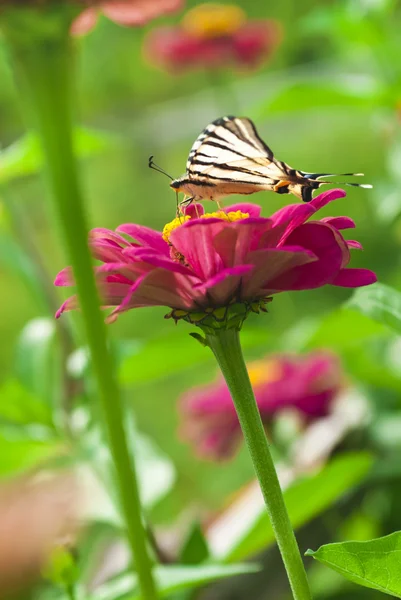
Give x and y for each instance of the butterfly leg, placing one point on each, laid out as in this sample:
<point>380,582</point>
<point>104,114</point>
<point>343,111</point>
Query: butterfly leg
<point>184,203</point>
<point>219,204</point>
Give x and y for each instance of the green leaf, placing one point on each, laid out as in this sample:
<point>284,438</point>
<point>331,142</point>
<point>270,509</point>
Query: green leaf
<point>21,407</point>
<point>171,579</point>
<point>61,568</point>
<point>311,95</point>
<point>342,329</point>
<point>24,157</point>
<point>171,354</point>
<point>16,261</point>
<point>156,472</point>
<point>379,302</point>
<point>374,564</point>
<point>36,363</point>
<point>20,453</point>
<point>305,499</point>
<point>195,548</point>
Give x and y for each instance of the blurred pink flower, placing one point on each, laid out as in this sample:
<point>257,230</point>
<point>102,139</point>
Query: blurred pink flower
<point>129,13</point>
<point>208,262</point>
<point>305,384</point>
<point>212,36</point>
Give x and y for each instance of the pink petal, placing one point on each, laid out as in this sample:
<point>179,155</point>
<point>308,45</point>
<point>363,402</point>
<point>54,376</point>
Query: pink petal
<point>112,294</point>
<point>194,210</point>
<point>70,304</point>
<point>271,263</point>
<point>354,244</point>
<point>145,236</point>
<point>194,240</point>
<point>164,288</point>
<point>330,248</point>
<point>126,300</point>
<point>100,233</point>
<point>65,277</point>
<point>138,12</point>
<point>172,48</point>
<point>255,40</point>
<point>288,218</point>
<point>221,287</point>
<point>253,210</point>
<point>234,241</point>
<point>327,197</point>
<point>85,22</point>
<point>157,260</point>
<point>339,222</point>
<point>105,251</point>
<point>354,278</point>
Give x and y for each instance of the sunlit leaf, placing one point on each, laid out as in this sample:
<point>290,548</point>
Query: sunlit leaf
<point>174,353</point>
<point>36,362</point>
<point>340,329</point>
<point>386,431</point>
<point>16,261</point>
<point>379,302</point>
<point>305,499</point>
<point>156,472</point>
<point>24,157</point>
<point>20,406</point>
<point>374,564</point>
<point>171,579</point>
<point>20,453</point>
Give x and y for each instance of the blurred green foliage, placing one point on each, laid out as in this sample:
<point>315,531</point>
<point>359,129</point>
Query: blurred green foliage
<point>328,100</point>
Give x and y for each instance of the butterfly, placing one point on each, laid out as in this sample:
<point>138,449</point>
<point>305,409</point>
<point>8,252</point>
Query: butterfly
<point>229,157</point>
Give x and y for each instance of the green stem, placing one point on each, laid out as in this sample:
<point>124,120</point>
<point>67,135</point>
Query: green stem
<point>45,68</point>
<point>226,347</point>
<point>70,592</point>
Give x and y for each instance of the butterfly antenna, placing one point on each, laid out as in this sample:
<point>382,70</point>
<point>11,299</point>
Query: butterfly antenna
<point>155,167</point>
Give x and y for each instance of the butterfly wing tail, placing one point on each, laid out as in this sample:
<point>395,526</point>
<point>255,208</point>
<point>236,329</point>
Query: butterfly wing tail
<point>317,176</point>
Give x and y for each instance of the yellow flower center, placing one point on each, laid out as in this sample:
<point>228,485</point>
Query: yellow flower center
<point>264,371</point>
<point>213,20</point>
<point>220,214</point>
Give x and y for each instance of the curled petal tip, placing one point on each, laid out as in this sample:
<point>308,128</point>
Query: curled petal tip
<point>59,312</point>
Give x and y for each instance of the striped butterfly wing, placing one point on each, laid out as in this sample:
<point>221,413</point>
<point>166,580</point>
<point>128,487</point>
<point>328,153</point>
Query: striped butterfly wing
<point>230,154</point>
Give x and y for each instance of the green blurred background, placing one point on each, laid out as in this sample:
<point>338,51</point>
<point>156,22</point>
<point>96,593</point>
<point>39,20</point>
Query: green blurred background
<point>329,99</point>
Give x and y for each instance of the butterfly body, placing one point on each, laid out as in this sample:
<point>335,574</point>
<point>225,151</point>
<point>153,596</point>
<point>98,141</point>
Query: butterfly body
<point>229,157</point>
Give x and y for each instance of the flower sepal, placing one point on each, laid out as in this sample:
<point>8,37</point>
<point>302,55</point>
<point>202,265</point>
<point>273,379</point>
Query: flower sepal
<point>212,319</point>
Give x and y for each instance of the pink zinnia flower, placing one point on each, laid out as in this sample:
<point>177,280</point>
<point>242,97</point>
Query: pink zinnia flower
<point>306,384</point>
<point>129,13</point>
<point>229,261</point>
<point>212,36</point>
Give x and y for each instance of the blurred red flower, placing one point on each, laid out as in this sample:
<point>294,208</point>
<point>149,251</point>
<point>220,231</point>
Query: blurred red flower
<point>306,384</point>
<point>129,13</point>
<point>212,36</point>
<point>203,263</point>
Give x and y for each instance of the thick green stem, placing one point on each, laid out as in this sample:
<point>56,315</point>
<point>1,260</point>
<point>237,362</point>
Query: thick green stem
<point>45,68</point>
<point>226,347</point>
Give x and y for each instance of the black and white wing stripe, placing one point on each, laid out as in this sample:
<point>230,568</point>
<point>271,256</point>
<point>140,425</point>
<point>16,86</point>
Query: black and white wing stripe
<point>230,149</point>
